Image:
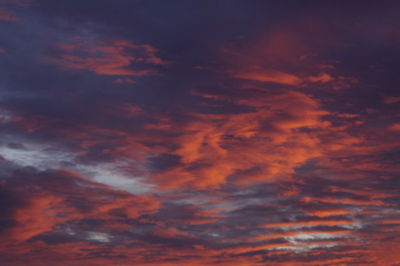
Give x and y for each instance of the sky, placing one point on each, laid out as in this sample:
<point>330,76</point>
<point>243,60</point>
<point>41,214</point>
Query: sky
<point>221,133</point>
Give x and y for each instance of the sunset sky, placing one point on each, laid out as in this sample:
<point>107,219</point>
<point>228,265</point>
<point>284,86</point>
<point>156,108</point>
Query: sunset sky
<point>199,132</point>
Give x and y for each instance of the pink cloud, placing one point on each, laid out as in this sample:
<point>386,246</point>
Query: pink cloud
<point>322,78</point>
<point>7,15</point>
<point>395,127</point>
<point>273,76</point>
<point>391,100</point>
<point>113,58</point>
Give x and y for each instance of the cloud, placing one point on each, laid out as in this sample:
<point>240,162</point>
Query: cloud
<point>111,58</point>
<point>45,158</point>
<point>327,213</point>
<point>299,224</point>
<point>7,15</point>
<point>38,217</point>
<point>273,76</point>
<point>270,155</point>
<point>33,214</point>
<point>395,127</point>
<point>391,100</point>
<point>212,147</point>
<point>322,78</point>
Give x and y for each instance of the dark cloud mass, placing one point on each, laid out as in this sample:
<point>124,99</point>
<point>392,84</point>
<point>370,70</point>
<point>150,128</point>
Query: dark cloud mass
<point>236,133</point>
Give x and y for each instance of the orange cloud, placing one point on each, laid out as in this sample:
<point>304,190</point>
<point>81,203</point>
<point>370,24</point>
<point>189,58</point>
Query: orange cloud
<point>312,223</point>
<point>327,213</point>
<point>273,76</point>
<point>39,217</point>
<point>114,58</point>
<point>288,56</point>
<point>350,201</point>
<point>322,77</point>
<point>393,221</point>
<point>133,206</point>
<point>246,176</point>
<point>248,147</point>
<point>395,127</point>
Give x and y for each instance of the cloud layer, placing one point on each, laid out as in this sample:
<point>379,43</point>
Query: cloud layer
<point>183,133</point>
